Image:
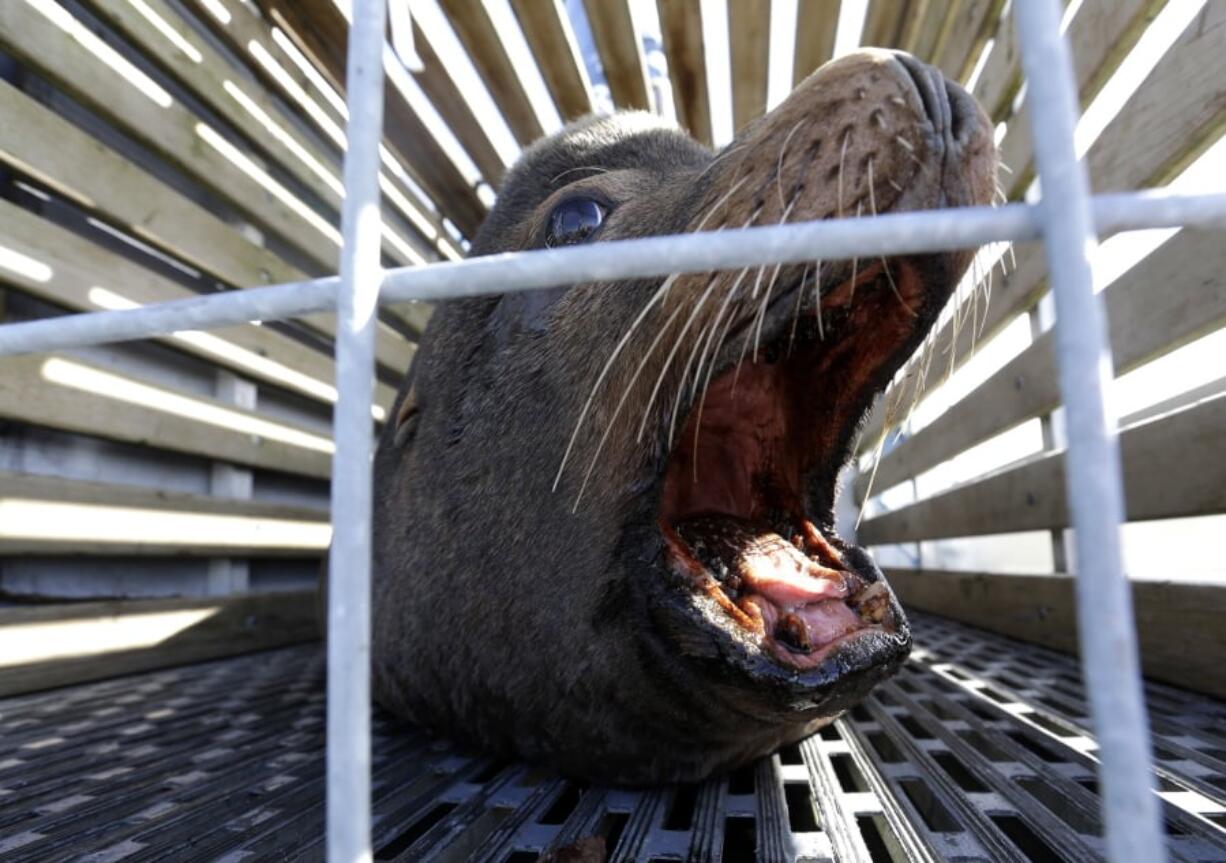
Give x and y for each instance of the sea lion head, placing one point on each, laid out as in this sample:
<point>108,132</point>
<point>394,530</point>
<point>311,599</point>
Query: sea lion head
<point>603,514</point>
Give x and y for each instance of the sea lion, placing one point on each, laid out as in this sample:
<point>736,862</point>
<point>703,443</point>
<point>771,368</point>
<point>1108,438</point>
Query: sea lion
<point>603,530</point>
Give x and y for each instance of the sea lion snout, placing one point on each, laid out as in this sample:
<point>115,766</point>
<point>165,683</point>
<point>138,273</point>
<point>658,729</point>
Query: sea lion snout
<point>603,528</point>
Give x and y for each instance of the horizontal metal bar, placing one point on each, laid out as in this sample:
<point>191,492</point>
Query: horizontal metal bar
<point>889,234</point>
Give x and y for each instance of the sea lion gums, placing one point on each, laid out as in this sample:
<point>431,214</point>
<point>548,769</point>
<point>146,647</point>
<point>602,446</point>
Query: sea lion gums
<point>603,513</point>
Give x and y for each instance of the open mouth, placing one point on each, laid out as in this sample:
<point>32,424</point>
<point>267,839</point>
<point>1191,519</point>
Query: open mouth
<point>747,504</point>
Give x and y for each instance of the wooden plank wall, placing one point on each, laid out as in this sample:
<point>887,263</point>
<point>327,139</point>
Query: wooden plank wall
<point>165,148</point>
<point>151,153</point>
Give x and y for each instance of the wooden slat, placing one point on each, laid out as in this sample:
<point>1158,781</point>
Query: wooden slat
<point>169,130</point>
<point>213,80</point>
<point>240,624</point>
<point>1174,116</point>
<point>1001,77</point>
<point>131,504</point>
<point>242,27</point>
<point>1177,402</point>
<point>1143,323</point>
<point>321,33</point>
<point>884,21</point>
<point>552,41</point>
<point>949,15</point>
<point>1173,467</point>
<point>817,22</point>
<point>27,395</point>
<point>172,130</point>
<point>970,30</point>
<point>455,110</point>
<point>1101,33</point>
<point>681,28</point>
<point>476,30</point>
<point>43,145</point>
<point>922,27</point>
<point>247,32</point>
<point>621,52</point>
<point>749,28</point>
<point>1134,150</point>
<point>76,266</point>
<point>1179,626</point>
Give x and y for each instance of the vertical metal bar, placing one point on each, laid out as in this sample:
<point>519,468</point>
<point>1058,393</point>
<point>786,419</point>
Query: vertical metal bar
<point>1095,488</point>
<point>349,560</point>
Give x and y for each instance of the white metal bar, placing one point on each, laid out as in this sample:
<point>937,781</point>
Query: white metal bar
<point>894,233</point>
<point>349,559</point>
<point>1095,488</point>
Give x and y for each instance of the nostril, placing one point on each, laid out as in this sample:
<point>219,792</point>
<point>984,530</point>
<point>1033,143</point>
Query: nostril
<point>963,112</point>
<point>926,81</point>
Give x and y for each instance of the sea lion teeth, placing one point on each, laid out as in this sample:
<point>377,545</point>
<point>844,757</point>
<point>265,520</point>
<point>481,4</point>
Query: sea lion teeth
<point>872,603</point>
<point>821,546</point>
<point>791,630</point>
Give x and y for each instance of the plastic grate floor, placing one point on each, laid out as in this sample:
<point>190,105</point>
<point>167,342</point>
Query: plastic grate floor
<point>978,750</point>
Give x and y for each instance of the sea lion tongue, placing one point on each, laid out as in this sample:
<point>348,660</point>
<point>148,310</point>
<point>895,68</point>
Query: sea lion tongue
<point>802,605</point>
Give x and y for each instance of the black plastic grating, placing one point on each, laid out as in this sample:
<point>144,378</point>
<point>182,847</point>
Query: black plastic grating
<point>976,751</point>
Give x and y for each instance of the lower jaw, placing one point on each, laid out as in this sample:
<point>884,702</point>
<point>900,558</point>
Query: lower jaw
<point>798,602</point>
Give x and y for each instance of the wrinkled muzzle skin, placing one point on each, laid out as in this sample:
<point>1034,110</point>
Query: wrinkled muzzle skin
<point>576,626</point>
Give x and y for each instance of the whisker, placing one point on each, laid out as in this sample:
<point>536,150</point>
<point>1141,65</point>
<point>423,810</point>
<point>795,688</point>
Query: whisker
<point>587,405</point>
<point>766,297</point>
<point>817,299</point>
<point>872,200</point>
<point>842,160</point>
<point>889,277</point>
<point>758,282</point>
<point>855,266</point>
<point>736,371</point>
<point>655,390</point>
<point>955,331</point>
<point>663,290</point>
<point>728,151</point>
<point>872,195</point>
<point>762,311</point>
<point>987,299</point>
<point>707,381</point>
<point>593,168</point>
<point>732,293</point>
<point>800,296</point>
<point>891,406</point>
<point>918,395</point>
<point>702,399</point>
<point>622,403</point>
<point>975,278</point>
<point>779,167</point>
<point>718,203</point>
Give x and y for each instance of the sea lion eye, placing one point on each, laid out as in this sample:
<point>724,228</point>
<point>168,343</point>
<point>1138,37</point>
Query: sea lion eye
<point>574,221</point>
